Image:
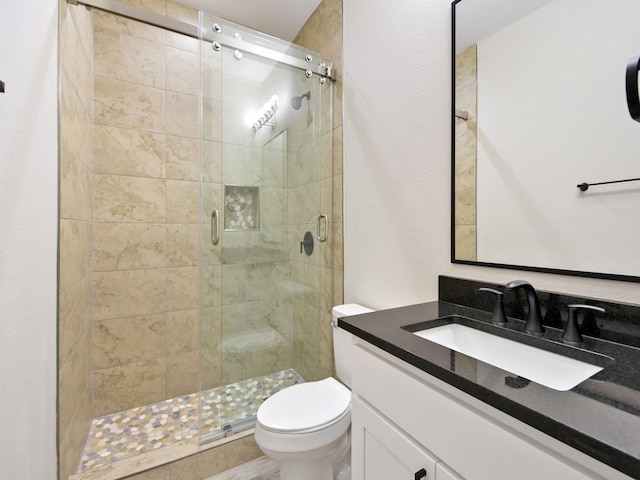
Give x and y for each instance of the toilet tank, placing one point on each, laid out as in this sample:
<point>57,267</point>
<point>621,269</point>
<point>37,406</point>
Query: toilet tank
<point>343,341</point>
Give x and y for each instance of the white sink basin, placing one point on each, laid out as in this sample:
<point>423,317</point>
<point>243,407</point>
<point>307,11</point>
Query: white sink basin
<point>543,367</point>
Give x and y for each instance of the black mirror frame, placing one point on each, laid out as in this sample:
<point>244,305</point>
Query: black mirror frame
<point>555,271</point>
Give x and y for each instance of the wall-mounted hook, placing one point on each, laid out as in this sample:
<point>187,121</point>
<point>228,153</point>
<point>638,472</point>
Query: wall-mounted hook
<point>1,86</point>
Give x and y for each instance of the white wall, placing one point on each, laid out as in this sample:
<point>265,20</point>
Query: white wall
<point>397,143</point>
<point>542,134</point>
<point>28,233</point>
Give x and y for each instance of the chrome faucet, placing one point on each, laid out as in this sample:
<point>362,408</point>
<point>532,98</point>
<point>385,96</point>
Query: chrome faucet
<point>534,316</point>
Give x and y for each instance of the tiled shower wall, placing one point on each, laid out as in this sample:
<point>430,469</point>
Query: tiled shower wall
<point>466,155</point>
<point>76,233</point>
<point>146,202</point>
<point>323,33</point>
<point>144,247</point>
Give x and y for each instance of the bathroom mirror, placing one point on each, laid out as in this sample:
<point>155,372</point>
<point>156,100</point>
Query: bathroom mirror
<point>539,107</point>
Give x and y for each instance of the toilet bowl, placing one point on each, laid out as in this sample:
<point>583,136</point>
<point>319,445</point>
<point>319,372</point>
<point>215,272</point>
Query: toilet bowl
<point>306,426</point>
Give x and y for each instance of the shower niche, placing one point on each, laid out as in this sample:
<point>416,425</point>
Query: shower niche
<point>241,208</point>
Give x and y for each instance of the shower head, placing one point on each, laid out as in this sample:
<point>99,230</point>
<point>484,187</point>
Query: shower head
<point>296,102</point>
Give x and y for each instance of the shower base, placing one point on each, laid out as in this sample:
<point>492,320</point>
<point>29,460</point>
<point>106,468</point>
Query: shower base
<point>175,422</point>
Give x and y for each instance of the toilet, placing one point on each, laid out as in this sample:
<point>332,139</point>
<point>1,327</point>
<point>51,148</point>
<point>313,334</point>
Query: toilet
<point>305,427</point>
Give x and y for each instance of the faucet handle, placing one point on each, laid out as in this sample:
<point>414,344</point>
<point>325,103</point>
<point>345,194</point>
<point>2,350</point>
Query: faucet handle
<point>499,317</point>
<point>571,332</point>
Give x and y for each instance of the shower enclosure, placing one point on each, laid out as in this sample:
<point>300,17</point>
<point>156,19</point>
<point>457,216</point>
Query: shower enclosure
<point>209,175</point>
<point>261,143</point>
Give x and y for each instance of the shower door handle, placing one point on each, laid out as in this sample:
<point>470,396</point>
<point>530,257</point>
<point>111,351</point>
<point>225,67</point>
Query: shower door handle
<point>323,217</point>
<point>215,226</point>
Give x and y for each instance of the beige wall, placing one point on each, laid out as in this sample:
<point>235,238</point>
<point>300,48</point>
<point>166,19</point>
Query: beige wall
<point>76,234</point>
<point>323,33</point>
<point>466,155</point>
<point>146,203</point>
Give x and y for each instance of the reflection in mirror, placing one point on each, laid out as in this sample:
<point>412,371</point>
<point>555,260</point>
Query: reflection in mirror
<point>543,93</point>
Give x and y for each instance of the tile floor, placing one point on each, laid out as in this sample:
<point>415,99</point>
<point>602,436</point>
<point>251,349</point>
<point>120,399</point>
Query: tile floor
<point>262,468</point>
<point>132,432</point>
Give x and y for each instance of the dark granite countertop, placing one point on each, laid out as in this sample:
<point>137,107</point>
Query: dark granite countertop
<point>600,416</point>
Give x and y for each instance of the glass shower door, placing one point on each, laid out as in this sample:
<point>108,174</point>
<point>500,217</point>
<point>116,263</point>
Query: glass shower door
<point>261,192</point>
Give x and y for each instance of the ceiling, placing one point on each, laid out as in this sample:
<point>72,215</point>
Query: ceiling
<point>279,18</point>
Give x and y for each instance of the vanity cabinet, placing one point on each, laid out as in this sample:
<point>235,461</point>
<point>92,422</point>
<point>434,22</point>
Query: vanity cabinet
<point>405,420</point>
<point>381,451</point>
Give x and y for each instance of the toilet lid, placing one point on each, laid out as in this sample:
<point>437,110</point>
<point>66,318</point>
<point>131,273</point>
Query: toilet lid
<point>305,406</point>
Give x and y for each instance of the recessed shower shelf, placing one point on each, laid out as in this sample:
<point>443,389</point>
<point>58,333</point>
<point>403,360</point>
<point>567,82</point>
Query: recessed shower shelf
<point>241,207</point>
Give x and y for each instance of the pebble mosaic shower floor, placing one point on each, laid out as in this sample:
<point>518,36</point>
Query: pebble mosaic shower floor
<point>132,432</point>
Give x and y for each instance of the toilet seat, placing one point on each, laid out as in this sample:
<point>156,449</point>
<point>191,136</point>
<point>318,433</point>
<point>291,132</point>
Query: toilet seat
<point>306,407</point>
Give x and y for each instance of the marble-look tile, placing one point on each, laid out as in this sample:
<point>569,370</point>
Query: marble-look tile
<point>338,255</point>
<point>183,71</point>
<point>127,340</point>
<point>466,67</point>
<point>465,172</point>
<point>75,187</point>
<point>211,74</point>
<point>183,42</point>
<point>183,115</point>
<point>124,246</point>
<point>129,58</point>
<point>465,237</point>
<point>337,150</point>
<point>211,367</point>
<point>211,161</point>
<point>183,161</point>
<point>183,290</point>
<point>73,380</point>
<point>75,59</point>
<point>466,137</point>
<point>123,25</point>
<point>127,386</point>
<point>182,332</point>
<point>272,206</point>
<point>74,317</point>
<point>183,200</point>
<point>212,119</point>
<point>210,327</point>
<point>129,199</point>
<point>262,468</point>
<point>120,294</point>
<point>182,12</point>
<point>466,99</point>
<point>75,121</point>
<point>130,105</point>
<point>72,440</point>
<point>465,207</point>
<point>182,245</point>
<point>120,151</point>
<point>211,285</point>
<point>75,241</point>
<point>217,460</point>
<point>182,374</point>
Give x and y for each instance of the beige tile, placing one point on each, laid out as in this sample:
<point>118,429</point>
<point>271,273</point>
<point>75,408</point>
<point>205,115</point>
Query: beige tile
<point>75,121</point>
<point>127,386</point>
<point>182,288</point>
<point>182,12</point>
<point>466,137</point>
<point>75,241</point>
<point>73,381</point>
<point>183,71</point>
<point>123,25</point>
<point>211,325</point>
<point>129,105</point>
<point>465,172</point>
<point>211,161</point>
<point>75,187</point>
<point>128,293</point>
<point>337,151</point>
<point>164,472</point>
<point>183,161</point>
<point>75,317</point>
<point>217,460</point>
<point>337,199</point>
<point>75,59</point>
<point>129,58</point>
<point>338,249</point>
<point>120,151</point>
<point>183,115</point>
<point>183,200</point>
<point>73,439</point>
<point>465,207</point>
<point>129,199</point>
<point>211,285</point>
<point>211,74</point>
<point>127,340</point>
<point>211,120</point>
<point>466,67</point>
<point>211,365</point>
<point>465,237</point>
<point>182,332</point>
<point>124,246</point>
<point>182,374</point>
<point>182,245</point>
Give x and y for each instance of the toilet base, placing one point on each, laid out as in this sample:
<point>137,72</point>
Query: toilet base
<point>328,463</point>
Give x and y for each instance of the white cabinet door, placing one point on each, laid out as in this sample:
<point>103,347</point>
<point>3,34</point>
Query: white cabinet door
<point>443,472</point>
<point>381,451</point>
